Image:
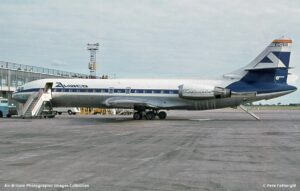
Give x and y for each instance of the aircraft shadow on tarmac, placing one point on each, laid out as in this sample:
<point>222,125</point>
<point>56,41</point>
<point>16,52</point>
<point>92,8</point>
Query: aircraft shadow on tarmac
<point>122,119</point>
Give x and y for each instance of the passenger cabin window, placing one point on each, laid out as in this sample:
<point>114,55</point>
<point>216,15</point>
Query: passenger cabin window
<point>111,90</point>
<point>127,90</point>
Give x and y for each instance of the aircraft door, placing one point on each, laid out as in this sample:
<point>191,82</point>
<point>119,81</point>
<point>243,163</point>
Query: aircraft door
<point>48,87</point>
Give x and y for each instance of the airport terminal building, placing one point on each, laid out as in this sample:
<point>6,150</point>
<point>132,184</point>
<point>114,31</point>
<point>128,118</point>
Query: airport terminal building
<point>13,75</point>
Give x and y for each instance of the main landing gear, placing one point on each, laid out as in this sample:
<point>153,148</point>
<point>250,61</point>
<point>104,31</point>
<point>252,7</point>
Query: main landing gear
<point>149,115</point>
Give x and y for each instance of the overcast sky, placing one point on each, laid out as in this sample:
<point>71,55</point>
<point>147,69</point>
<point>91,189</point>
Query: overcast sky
<point>157,38</point>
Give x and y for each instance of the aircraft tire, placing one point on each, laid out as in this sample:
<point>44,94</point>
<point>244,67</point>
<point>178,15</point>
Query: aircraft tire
<point>150,115</point>
<point>70,112</point>
<point>137,116</point>
<point>162,115</point>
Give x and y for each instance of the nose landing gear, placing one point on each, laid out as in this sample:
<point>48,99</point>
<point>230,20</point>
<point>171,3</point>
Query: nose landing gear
<point>149,115</point>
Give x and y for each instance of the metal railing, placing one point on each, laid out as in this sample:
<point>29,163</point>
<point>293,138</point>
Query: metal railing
<point>41,70</point>
<point>29,101</point>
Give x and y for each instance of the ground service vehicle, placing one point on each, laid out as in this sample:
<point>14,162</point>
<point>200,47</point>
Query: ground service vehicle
<point>69,110</point>
<point>5,109</point>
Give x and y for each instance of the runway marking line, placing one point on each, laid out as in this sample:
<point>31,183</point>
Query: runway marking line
<point>200,119</point>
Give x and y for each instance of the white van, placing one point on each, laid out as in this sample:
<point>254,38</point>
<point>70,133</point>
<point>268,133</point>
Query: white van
<point>69,110</point>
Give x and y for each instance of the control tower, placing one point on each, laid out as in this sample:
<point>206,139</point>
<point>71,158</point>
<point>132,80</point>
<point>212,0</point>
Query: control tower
<point>92,64</point>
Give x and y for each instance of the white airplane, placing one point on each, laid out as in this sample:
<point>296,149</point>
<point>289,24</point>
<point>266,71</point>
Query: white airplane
<point>263,78</point>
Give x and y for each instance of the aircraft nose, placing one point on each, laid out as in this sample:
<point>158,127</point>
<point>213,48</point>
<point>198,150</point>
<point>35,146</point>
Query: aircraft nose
<point>15,96</point>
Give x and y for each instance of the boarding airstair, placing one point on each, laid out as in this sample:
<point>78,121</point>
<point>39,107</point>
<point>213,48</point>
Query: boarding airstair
<point>34,105</point>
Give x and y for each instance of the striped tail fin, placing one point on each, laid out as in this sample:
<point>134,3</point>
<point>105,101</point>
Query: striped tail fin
<point>271,65</point>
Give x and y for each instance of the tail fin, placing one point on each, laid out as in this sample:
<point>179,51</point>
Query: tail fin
<point>271,65</point>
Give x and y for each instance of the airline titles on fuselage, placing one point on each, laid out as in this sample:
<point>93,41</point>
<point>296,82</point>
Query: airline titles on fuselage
<point>61,85</point>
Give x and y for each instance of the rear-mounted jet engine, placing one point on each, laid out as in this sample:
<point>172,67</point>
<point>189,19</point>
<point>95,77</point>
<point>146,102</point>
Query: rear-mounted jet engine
<point>192,91</point>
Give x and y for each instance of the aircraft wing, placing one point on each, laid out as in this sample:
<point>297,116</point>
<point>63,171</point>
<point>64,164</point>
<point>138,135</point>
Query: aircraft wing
<point>128,102</point>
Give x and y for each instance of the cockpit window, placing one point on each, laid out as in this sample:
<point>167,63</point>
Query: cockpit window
<point>19,89</point>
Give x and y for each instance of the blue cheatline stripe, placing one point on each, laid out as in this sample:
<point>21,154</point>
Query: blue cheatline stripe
<point>31,90</point>
<point>109,91</point>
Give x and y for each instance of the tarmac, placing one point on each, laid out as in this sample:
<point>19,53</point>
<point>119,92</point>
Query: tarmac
<point>190,150</point>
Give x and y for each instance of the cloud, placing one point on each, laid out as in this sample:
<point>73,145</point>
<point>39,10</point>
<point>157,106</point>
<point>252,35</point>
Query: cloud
<point>293,79</point>
<point>58,63</point>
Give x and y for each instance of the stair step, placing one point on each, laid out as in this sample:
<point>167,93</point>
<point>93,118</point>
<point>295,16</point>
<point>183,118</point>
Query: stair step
<point>33,104</point>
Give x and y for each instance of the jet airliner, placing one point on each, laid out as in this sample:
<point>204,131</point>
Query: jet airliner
<point>265,77</point>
